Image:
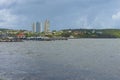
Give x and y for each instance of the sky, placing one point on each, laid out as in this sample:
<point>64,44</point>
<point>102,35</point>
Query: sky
<point>62,14</point>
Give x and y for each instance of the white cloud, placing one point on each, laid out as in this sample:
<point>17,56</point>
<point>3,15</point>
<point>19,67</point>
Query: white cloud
<point>9,20</point>
<point>6,18</point>
<point>116,16</point>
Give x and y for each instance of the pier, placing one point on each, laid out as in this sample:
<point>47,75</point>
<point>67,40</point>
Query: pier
<point>45,38</point>
<point>11,40</point>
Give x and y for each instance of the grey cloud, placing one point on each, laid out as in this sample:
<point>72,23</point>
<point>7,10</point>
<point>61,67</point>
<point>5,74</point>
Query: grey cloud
<point>67,13</point>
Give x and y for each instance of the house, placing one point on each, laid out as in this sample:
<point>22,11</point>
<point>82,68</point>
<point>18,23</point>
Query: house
<point>21,35</point>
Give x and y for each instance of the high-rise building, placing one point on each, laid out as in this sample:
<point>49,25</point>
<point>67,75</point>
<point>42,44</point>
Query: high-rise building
<point>34,27</point>
<point>47,26</point>
<point>37,27</point>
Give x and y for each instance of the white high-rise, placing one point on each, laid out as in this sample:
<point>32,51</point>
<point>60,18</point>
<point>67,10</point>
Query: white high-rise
<point>47,26</point>
<point>37,27</point>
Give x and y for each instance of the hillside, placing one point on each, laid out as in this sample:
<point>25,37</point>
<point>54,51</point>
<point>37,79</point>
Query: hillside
<point>93,33</point>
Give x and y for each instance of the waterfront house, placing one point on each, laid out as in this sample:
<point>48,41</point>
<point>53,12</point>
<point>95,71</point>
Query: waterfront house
<point>21,35</point>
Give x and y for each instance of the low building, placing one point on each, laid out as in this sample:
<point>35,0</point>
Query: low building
<point>21,35</point>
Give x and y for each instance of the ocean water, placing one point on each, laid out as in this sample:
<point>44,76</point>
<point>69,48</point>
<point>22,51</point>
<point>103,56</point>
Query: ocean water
<point>75,59</point>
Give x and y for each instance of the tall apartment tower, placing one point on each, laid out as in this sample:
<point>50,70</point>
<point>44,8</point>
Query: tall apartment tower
<point>33,27</point>
<point>37,27</point>
<point>47,26</point>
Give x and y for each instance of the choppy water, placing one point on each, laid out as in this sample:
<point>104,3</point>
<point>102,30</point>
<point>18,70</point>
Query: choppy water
<point>82,59</point>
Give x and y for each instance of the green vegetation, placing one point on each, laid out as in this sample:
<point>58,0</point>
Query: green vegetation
<point>71,33</point>
<point>92,33</point>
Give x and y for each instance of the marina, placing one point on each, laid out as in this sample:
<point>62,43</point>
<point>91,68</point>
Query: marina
<point>11,40</point>
<point>21,39</point>
<point>45,38</point>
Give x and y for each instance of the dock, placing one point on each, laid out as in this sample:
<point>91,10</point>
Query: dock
<point>45,38</point>
<point>11,40</point>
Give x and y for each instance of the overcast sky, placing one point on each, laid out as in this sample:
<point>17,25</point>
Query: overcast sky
<point>20,14</point>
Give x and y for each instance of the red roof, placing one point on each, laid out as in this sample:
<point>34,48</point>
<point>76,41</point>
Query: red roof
<point>21,35</point>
